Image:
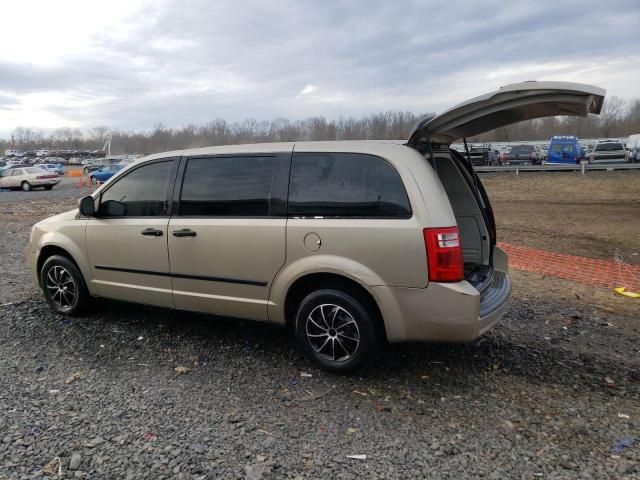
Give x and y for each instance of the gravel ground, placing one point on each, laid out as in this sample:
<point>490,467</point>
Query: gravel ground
<point>545,395</point>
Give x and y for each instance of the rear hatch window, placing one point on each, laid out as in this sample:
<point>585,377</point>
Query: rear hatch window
<point>609,147</point>
<point>521,150</point>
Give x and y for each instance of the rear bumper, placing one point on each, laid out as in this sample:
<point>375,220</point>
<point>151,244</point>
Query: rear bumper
<point>443,312</point>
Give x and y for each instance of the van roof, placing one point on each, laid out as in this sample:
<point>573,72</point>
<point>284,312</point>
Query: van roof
<point>564,137</point>
<point>365,146</point>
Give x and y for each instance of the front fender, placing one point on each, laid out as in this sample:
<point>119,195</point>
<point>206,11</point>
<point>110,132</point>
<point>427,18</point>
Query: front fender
<point>73,244</point>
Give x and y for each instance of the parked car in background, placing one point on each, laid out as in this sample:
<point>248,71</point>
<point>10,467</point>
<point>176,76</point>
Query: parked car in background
<point>564,149</point>
<point>12,152</point>
<point>634,148</point>
<point>543,150</point>
<point>14,165</point>
<point>27,178</point>
<point>607,151</point>
<point>482,154</point>
<point>60,160</point>
<point>53,167</point>
<point>96,163</point>
<point>104,173</point>
<point>350,244</point>
<point>522,155</point>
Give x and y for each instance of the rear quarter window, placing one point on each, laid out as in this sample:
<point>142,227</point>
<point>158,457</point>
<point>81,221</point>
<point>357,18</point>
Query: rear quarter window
<point>346,185</point>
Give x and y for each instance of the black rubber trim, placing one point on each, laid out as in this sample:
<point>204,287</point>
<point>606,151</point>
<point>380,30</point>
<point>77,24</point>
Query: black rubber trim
<point>496,294</point>
<point>182,275</point>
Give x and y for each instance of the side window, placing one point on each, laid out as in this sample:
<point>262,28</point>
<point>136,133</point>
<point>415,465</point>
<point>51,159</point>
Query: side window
<point>346,185</point>
<point>227,186</point>
<point>140,193</point>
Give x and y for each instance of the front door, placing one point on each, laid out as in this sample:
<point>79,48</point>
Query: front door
<point>127,241</point>
<point>227,238</point>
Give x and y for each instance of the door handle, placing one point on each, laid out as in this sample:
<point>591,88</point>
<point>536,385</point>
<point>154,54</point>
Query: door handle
<point>185,232</point>
<point>151,232</point>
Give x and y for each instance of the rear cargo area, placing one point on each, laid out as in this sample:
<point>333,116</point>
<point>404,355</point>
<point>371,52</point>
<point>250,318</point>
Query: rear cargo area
<point>467,208</point>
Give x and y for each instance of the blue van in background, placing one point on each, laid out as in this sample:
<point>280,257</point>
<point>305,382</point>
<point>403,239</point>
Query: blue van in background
<point>564,149</point>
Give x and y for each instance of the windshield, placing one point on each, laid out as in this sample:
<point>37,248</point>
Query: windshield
<point>609,146</point>
<point>519,149</point>
<point>32,170</point>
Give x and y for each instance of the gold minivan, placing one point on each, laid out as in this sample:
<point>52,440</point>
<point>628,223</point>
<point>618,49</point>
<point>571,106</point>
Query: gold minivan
<point>349,243</point>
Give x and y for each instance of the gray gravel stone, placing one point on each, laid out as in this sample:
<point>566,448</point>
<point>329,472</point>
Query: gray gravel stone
<point>511,405</point>
<point>75,461</point>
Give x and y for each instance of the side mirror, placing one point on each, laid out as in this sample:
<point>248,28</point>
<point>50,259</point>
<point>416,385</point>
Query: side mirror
<point>87,206</point>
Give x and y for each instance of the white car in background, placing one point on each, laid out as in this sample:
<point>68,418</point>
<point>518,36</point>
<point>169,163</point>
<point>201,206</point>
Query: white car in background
<point>26,178</point>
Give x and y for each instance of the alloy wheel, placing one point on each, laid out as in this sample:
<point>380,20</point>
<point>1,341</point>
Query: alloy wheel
<point>61,287</point>
<point>333,332</point>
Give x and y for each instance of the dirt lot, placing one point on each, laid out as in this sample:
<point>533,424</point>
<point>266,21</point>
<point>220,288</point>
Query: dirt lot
<point>546,394</point>
<point>593,215</point>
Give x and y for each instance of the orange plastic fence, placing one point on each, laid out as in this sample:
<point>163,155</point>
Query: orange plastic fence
<point>591,271</point>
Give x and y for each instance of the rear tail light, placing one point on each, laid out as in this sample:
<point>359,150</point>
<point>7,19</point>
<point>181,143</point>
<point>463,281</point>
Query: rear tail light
<point>45,177</point>
<point>444,254</point>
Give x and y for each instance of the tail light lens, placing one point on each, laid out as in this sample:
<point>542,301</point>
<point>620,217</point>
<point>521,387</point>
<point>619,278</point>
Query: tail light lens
<point>444,254</point>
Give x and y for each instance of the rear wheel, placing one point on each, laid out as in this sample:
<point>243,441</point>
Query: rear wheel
<point>94,180</point>
<point>336,330</point>
<point>48,187</point>
<point>63,286</point>
<point>25,186</point>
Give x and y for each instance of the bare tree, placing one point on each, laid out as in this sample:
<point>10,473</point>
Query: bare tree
<point>614,120</point>
<point>612,109</point>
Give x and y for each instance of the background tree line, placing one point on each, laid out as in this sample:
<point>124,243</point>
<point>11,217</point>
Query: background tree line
<point>618,119</point>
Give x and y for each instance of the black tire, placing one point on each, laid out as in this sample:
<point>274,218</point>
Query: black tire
<point>48,187</point>
<point>93,179</point>
<point>25,186</point>
<point>349,335</point>
<point>63,286</point>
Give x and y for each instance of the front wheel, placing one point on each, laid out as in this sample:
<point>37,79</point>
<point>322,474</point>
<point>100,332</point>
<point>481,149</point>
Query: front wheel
<point>336,330</point>
<point>63,286</point>
<point>25,186</point>
<point>94,180</point>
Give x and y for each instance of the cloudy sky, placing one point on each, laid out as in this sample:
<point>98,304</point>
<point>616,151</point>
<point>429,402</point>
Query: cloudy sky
<point>130,64</point>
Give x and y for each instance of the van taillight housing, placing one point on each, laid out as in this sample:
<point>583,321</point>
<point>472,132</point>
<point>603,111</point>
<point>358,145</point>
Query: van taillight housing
<point>444,254</point>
